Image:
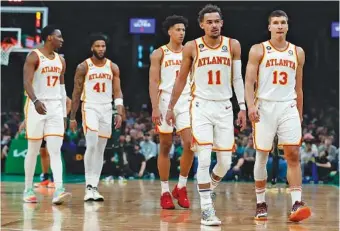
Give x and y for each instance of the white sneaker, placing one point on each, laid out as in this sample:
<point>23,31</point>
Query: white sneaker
<point>96,195</point>
<point>88,193</point>
<point>209,218</point>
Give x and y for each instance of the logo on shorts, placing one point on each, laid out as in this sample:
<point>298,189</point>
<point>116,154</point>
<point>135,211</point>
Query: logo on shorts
<point>224,48</point>
<point>227,107</point>
<point>290,52</point>
<point>197,104</point>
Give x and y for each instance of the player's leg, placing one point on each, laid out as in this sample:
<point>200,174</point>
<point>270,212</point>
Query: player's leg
<point>163,160</point>
<point>34,134</point>
<point>183,127</point>
<point>289,134</point>
<point>90,127</point>
<point>202,132</point>
<point>104,133</point>
<point>54,134</point>
<point>223,140</point>
<point>263,135</point>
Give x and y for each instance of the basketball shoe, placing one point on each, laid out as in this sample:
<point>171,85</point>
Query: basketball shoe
<point>261,212</point>
<point>60,196</point>
<point>96,195</point>
<point>209,217</point>
<point>299,212</point>
<point>166,201</point>
<point>29,196</point>
<point>88,193</point>
<point>182,196</point>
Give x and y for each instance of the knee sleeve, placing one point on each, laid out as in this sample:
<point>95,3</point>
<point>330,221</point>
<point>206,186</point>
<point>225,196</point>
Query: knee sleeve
<point>53,144</point>
<point>260,167</point>
<point>204,160</point>
<point>91,141</point>
<point>223,163</point>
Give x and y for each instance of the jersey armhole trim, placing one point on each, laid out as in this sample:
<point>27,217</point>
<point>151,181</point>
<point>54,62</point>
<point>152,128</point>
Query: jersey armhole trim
<point>263,55</point>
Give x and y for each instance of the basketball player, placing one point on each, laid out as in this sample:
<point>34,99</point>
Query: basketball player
<point>96,81</point>
<point>165,64</point>
<point>215,62</point>
<point>276,67</point>
<point>45,110</point>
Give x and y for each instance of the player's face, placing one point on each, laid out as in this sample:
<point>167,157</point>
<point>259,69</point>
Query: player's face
<point>99,49</point>
<point>56,39</point>
<point>212,24</point>
<point>278,27</point>
<point>177,33</point>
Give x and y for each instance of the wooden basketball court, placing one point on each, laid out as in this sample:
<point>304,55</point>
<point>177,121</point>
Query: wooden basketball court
<point>134,205</point>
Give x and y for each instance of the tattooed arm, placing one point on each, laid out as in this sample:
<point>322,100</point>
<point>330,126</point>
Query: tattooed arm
<point>79,80</point>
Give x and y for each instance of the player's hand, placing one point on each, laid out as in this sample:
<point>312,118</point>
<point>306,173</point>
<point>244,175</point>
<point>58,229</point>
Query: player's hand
<point>242,119</point>
<point>157,117</point>
<point>40,107</point>
<point>170,118</point>
<point>253,114</point>
<point>118,121</point>
<point>73,125</point>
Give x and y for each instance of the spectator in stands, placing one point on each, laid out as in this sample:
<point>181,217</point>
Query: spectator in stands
<point>332,152</point>
<point>323,165</point>
<point>307,155</point>
<point>149,150</point>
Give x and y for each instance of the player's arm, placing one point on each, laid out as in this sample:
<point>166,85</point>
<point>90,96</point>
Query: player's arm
<point>30,65</point>
<point>79,80</point>
<point>62,87</point>
<point>68,105</point>
<point>154,76</point>
<point>237,73</point>
<point>117,91</point>
<point>299,77</point>
<point>255,56</point>
<point>181,80</point>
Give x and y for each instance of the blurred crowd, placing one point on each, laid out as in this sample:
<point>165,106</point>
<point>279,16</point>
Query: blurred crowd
<point>132,151</point>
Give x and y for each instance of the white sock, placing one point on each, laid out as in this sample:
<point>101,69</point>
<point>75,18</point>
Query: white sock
<point>31,161</point>
<point>165,186</point>
<point>214,183</point>
<point>91,144</point>
<point>182,181</point>
<point>53,144</point>
<point>205,198</point>
<point>295,193</point>
<point>260,195</point>
<point>98,160</point>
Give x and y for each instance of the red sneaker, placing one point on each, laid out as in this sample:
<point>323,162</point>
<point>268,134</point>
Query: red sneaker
<point>182,196</point>
<point>166,201</point>
<point>42,184</point>
<point>299,212</point>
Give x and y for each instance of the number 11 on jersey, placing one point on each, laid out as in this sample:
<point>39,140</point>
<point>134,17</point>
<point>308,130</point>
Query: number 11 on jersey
<point>211,77</point>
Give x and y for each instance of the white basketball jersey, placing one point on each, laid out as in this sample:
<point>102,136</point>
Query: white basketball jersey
<point>211,72</point>
<point>170,66</point>
<point>46,80</point>
<point>277,72</point>
<point>98,83</point>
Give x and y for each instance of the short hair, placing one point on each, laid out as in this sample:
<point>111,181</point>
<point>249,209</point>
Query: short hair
<point>172,20</point>
<point>277,13</point>
<point>47,30</point>
<point>209,9</point>
<point>98,36</point>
